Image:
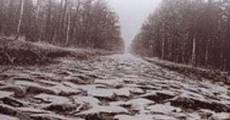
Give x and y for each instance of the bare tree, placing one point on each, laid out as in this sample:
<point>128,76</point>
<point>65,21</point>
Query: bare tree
<point>190,31</point>
<point>1,15</point>
<point>75,23</point>
<point>20,19</point>
<point>68,24</point>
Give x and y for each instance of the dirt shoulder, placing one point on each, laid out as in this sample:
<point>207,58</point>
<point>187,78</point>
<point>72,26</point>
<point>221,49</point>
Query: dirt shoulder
<point>194,73</point>
<point>17,52</point>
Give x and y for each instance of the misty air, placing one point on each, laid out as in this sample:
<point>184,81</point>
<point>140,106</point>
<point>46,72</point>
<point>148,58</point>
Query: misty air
<point>114,59</point>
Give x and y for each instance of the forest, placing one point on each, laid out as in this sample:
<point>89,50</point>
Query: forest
<point>65,60</point>
<point>193,32</point>
<point>65,23</point>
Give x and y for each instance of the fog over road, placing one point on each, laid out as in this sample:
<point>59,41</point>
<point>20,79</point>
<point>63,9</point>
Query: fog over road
<point>117,87</point>
<point>59,60</point>
<point>132,14</point>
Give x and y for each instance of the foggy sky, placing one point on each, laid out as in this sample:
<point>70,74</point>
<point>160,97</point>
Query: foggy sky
<point>132,15</point>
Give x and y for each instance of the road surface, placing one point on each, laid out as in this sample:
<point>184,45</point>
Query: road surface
<point>116,87</point>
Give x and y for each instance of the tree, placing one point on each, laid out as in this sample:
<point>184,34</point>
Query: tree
<point>192,32</point>
<point>2,6</point>
<point>20,19</point>
<point>67,23</point>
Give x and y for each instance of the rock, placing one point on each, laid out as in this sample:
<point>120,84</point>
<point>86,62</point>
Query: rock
<point>101,93</point>
<point>80,81</point>
<point>12,102</point>
<point>137,91</point>
<point>8,110</point>
<point>51,99</point>
<point>205,114</point>
<point>122,92</point>
<point>139,102</point>
<point>163,109</point>
<point>65,90</point>
<point>102,112</point>
<point>61,108</point>
<point>197,104</point>
<point>39,89</point>
<point>193,116</point>
<point>51,117</point>
<point>111,89</point>
<point>18,91</point>
<point>159,96</point>
<point>112,83</point>
<point>4,94</point>
<point>220,116</point>
<point>120,103</point>
<point>136,117</point>
<point>56,103</point>
<point>28,110</point>
<point>4,76</point>
<point>138,105</point>
<point>35,88</point>
<point>6,117</point>
<point>64,73</point>
<point>23,78</point>
<point>163,117</point>
<point>91,101</point>
<point>48,83</point>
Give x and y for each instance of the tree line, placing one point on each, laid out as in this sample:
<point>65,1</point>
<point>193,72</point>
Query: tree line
<point>195,32</point>
<point>69,23</point>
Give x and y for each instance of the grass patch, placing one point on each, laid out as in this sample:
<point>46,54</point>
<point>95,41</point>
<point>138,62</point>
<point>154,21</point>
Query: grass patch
<point>19,52</point>
<point>195,73</point>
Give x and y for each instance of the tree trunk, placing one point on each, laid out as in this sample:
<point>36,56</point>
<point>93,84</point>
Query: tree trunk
<point>163,45</point>
<point>194,51</point>
<point>1,15</point>
<point>38,9</point>
<point>68,29</point>
<point>37,21</point>
<point>58,23</point>
<point>75,23</point>
<point>207,52</point>
<point>20,19</point>
<point>48,22</point>
<point>63,20</point>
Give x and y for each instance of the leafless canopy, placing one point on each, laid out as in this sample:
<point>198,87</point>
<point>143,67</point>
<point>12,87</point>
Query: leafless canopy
<point>193,32</point>
<point>75,23</point>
